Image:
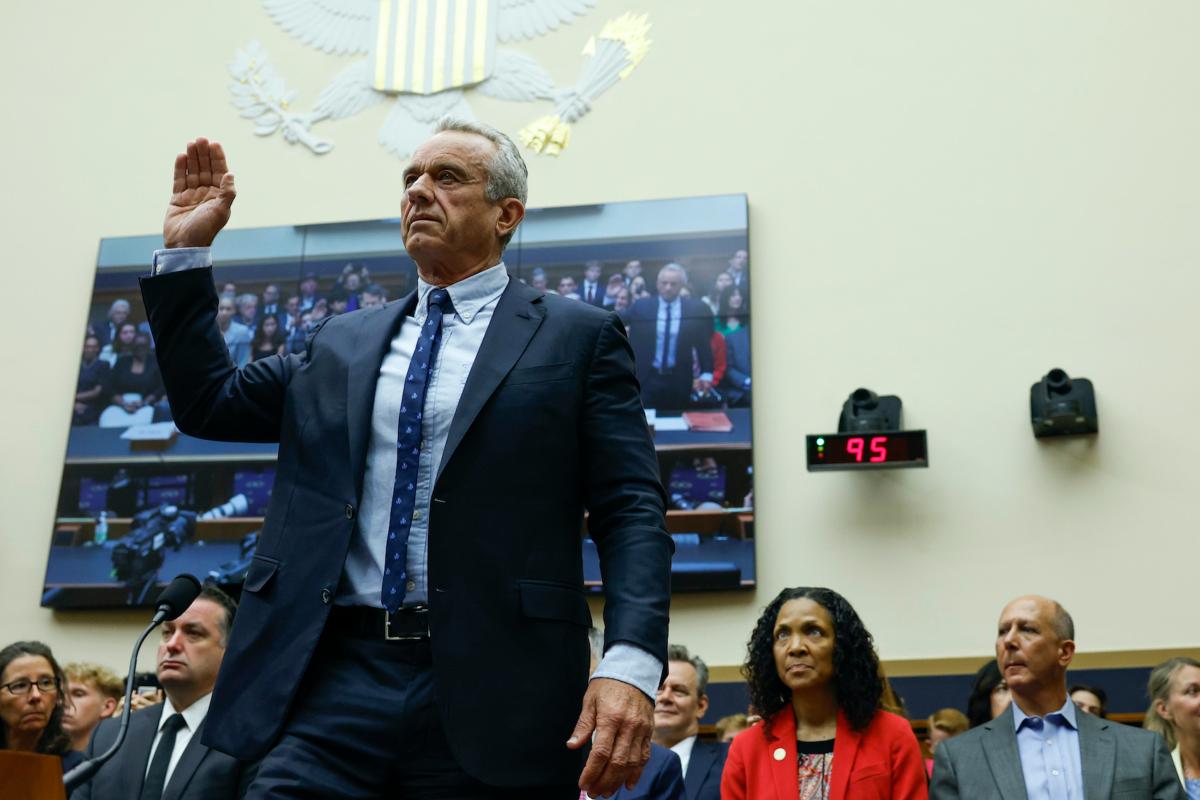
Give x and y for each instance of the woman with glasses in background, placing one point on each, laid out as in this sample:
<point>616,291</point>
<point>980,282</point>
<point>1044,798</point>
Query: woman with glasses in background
<point>32,698</point>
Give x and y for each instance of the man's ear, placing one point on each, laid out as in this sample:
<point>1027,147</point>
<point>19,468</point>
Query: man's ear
<point>1066,652</point>
<point>702,705</point>
<point>109,708</point>
<point>512,211</point>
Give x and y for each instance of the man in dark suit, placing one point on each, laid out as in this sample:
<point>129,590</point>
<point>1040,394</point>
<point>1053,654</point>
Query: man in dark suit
<point>420,565</point>
<point>662,779</point>
<point>736,383</point>
<point>1042,746</point>
<point>681,703</point>
<point>670,333</point>
<point>164,757</point>
<point>590,290</point>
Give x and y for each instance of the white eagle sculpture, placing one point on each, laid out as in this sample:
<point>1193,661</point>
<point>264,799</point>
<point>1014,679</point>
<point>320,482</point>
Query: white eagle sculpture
<point>425,54</point>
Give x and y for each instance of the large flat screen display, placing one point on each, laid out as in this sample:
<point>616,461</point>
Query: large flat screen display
<point>141,502</point>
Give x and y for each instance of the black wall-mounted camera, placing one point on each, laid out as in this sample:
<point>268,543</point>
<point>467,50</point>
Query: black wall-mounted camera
<point>867,412</point>
<point>1062,406</point>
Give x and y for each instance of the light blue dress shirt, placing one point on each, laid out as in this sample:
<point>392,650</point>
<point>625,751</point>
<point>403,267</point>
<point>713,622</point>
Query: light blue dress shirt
<point>475,300</point>
<point>1049,750</point>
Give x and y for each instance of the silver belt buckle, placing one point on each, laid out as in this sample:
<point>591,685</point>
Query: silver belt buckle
<point>387,630</point>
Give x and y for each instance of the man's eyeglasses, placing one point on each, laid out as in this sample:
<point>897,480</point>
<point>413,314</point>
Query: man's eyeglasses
<point>21,687</point>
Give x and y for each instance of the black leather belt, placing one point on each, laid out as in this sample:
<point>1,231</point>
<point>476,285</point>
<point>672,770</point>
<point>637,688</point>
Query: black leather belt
<point>409,624</point>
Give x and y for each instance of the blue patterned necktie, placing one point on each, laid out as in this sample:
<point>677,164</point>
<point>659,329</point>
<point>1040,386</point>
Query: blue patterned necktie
<point>408,449</point>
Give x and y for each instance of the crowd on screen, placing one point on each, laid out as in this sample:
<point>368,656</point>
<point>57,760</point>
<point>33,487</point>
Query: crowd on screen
<point>822,718</point>
<point>692,347</point>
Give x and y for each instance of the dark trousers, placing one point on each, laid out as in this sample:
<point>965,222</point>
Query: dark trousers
<point>365,724</point>
<point>667,391</point>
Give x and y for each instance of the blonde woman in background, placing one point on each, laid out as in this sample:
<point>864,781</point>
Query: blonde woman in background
<point>1174,690</point>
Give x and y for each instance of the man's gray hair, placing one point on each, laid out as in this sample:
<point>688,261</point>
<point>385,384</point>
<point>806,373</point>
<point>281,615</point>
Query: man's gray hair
<point>679,652</point>
<point>119,303</point>
<point>675,268</point>
<point>1064,626</point>
<point>243,299</point>
<point>507,174</point>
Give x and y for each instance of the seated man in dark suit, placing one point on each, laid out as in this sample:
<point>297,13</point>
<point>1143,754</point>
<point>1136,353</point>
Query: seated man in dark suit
<point>736,383</point>
<point>681,704</point>
<point>590,290</point>
<point>669,334</point>
<point>163,757</point>
<point>1042,747</point>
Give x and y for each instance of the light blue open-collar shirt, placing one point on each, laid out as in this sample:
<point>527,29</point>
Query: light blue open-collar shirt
<point>1049,750</point>
<point>475,299</point>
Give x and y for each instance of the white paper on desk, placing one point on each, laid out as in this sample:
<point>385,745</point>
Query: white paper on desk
<point>670,424</point>
<point>155,432</point>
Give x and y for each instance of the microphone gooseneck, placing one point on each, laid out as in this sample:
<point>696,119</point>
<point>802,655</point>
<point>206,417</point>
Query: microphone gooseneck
<point>173,601</point>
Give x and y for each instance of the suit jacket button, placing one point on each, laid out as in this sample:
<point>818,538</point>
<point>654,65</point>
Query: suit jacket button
<point>349,511</point>
<point>326,596</point>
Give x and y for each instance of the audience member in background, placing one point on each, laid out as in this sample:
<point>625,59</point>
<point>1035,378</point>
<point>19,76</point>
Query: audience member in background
<point>290,318</point>
<point>229,287</point>
<point>613,288</point>
<point>713,298</point>
<point>163,754</point>
<point>733,311</point>
<point>662,777</point>
<point>680,705</point>
<point>136,387</point>
<point>813,674</point>
<point>1091,699</point>
<point>297,335</point>
<point>91,390</point>
<point>338,300</point>
<point>121,344</point>
<point>237,336</point>
<point>269,340</point>
<point>590,290</point>
<point>373,296</point>
<point>668,333</point>
<point>308,292</point>
<point>320,311</point>
<point>631,272</point>
<point>989,695</point>
<point>538,280</point>
<point>622,301</point>
<point>106,329</point>
<point>32,703</point>
<point>1042,747</point>
<point>1174,712</point>
<point>731,726</point>
<point>944,724</point>
<point>270,306</point>
<point>739,269</point>
<point>247,311</point>
<point>736,387</point>
<point>566,287</point>
<point>352,283</point>
<point>637,288</point>
<point>93,693</point>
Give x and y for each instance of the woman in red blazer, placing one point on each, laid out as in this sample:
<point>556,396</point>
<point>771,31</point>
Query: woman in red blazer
<point>813,673</point>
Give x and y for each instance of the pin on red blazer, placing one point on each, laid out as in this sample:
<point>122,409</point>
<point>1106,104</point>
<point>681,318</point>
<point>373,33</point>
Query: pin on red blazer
<point>882,762</point>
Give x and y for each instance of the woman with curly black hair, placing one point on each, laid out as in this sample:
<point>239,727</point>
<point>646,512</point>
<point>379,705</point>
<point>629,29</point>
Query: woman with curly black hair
<point>814,676</point>
<point>32,698</point>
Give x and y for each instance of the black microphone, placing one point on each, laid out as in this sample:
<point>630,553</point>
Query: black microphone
<point>174,600</point>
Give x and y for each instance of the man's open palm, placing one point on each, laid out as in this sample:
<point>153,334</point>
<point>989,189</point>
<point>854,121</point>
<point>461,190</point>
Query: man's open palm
<point>201,196</point>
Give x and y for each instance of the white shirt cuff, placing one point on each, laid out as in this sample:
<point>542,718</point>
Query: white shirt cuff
<point>633,665</point>
<point>177,259</point>
<point>706,376</point>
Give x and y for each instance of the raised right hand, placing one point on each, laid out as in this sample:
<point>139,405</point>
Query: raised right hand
<point>201,197</point>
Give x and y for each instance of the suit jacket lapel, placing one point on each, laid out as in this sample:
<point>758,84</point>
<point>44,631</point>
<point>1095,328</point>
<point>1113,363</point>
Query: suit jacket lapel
<point>701,761</point>
<point>845,749</point>
<point>192,755</point>
<point>1097,754</point>
<point>517,317</point>
<point>375,334</point>
<point>785,773</point>
<point>1000,748</point>
<point>142,730</point>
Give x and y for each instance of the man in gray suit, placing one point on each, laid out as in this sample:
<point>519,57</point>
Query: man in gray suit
<point>1042,747</point>
<point>162,758</point>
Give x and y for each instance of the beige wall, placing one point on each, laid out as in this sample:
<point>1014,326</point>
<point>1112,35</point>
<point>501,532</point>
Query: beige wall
<point>947,199</point>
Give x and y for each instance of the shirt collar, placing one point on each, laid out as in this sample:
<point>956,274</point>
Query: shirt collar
<point>469,295</point>
<point>683,749</point>
<point>1066,713</point>
<point>193,715</point>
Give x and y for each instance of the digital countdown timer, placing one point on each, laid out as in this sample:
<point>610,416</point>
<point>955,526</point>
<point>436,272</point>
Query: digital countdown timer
<point>853,451</point>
